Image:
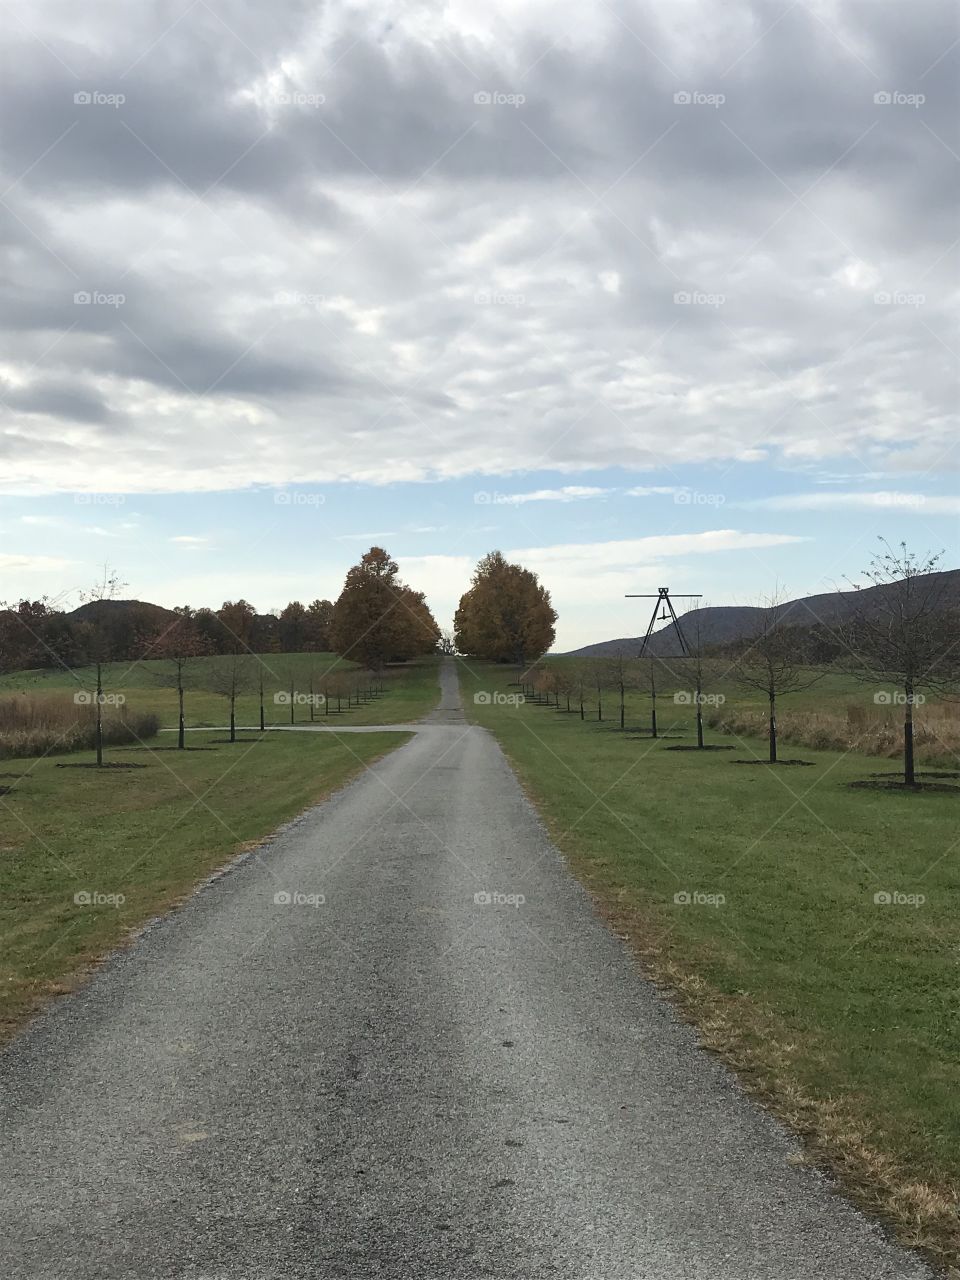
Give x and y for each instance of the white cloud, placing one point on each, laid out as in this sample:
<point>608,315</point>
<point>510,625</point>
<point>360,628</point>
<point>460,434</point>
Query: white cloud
<point>569,493</point>
<point>371,538</point>
<point>589,581</point>
<point>888,500</point>
<point>587,557</point>
<point>33,564</point>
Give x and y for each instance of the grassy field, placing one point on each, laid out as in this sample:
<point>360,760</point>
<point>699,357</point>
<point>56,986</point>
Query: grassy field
<point>410,690</point>
<point>750,891</point>
<point>148,835</point>
<point>836,711</point>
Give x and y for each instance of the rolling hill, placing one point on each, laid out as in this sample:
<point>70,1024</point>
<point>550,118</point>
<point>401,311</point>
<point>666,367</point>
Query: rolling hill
<point>723,624</point>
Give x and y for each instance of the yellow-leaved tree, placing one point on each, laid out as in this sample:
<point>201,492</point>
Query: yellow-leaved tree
<point>377,618</point>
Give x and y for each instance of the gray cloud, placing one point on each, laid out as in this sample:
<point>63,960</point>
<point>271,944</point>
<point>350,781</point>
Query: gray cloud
<point>598,275</point>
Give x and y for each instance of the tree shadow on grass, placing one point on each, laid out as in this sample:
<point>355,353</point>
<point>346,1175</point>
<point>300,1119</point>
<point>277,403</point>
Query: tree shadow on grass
<point>107,764</point>
<point>891,784</point>
<point>776,764</point>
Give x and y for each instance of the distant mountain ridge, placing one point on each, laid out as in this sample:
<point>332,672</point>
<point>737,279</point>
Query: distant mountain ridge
<point>724,624</point>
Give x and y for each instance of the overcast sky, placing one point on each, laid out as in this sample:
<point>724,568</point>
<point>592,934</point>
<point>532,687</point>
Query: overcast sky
<point>640,292</point>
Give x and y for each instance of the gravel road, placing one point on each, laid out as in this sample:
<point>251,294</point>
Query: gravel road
<point>390,1076</point>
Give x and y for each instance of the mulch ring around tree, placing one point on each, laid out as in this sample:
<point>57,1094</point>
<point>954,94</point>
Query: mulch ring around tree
<point>107,764</point>
<point>891,783</point>
<point>645,733</point>
<point>805,763</point>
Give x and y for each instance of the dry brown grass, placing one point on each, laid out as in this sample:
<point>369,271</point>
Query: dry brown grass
<point>873,731</point>
<point>34,726</point>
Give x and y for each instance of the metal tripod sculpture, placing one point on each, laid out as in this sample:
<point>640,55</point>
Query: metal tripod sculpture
<point>663,600</point>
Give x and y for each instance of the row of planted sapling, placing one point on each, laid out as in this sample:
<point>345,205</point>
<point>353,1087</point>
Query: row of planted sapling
<point>901,644</point>
<point>328,690</point>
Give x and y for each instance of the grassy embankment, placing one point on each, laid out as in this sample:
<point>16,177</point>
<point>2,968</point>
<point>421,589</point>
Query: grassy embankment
<point>841,1011</point>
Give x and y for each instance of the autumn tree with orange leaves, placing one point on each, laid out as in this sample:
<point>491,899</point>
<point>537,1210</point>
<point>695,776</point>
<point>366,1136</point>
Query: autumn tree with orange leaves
<point>506,616</point>
<point>379,619</point>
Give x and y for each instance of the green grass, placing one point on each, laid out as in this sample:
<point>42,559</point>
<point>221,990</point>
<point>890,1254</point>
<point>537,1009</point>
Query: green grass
<point>843,1012</point>
<point>151,834</point>
<point>410,690</point>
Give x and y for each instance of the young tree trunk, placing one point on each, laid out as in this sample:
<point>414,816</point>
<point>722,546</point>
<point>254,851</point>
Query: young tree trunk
<point>773,728</point>
<point>181,735</point>
<point>622,710</point>
<point>568,702</point>
<point>99,734</point>
<point>233,718</point>
<point>653,705</point>
<point>263,718</point>
<point>909,770</point>
<point>599,706</point>
<point>312,716</point>
<point>699,712</point>
<point>293,706</point>
<point>582,716</point>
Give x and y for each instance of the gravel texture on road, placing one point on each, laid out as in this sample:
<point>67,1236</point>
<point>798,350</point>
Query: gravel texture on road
<point>395,1041</point>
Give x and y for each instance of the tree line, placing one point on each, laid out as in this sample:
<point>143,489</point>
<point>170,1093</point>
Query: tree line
<point>36,635</point>
<point>375,620</point>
